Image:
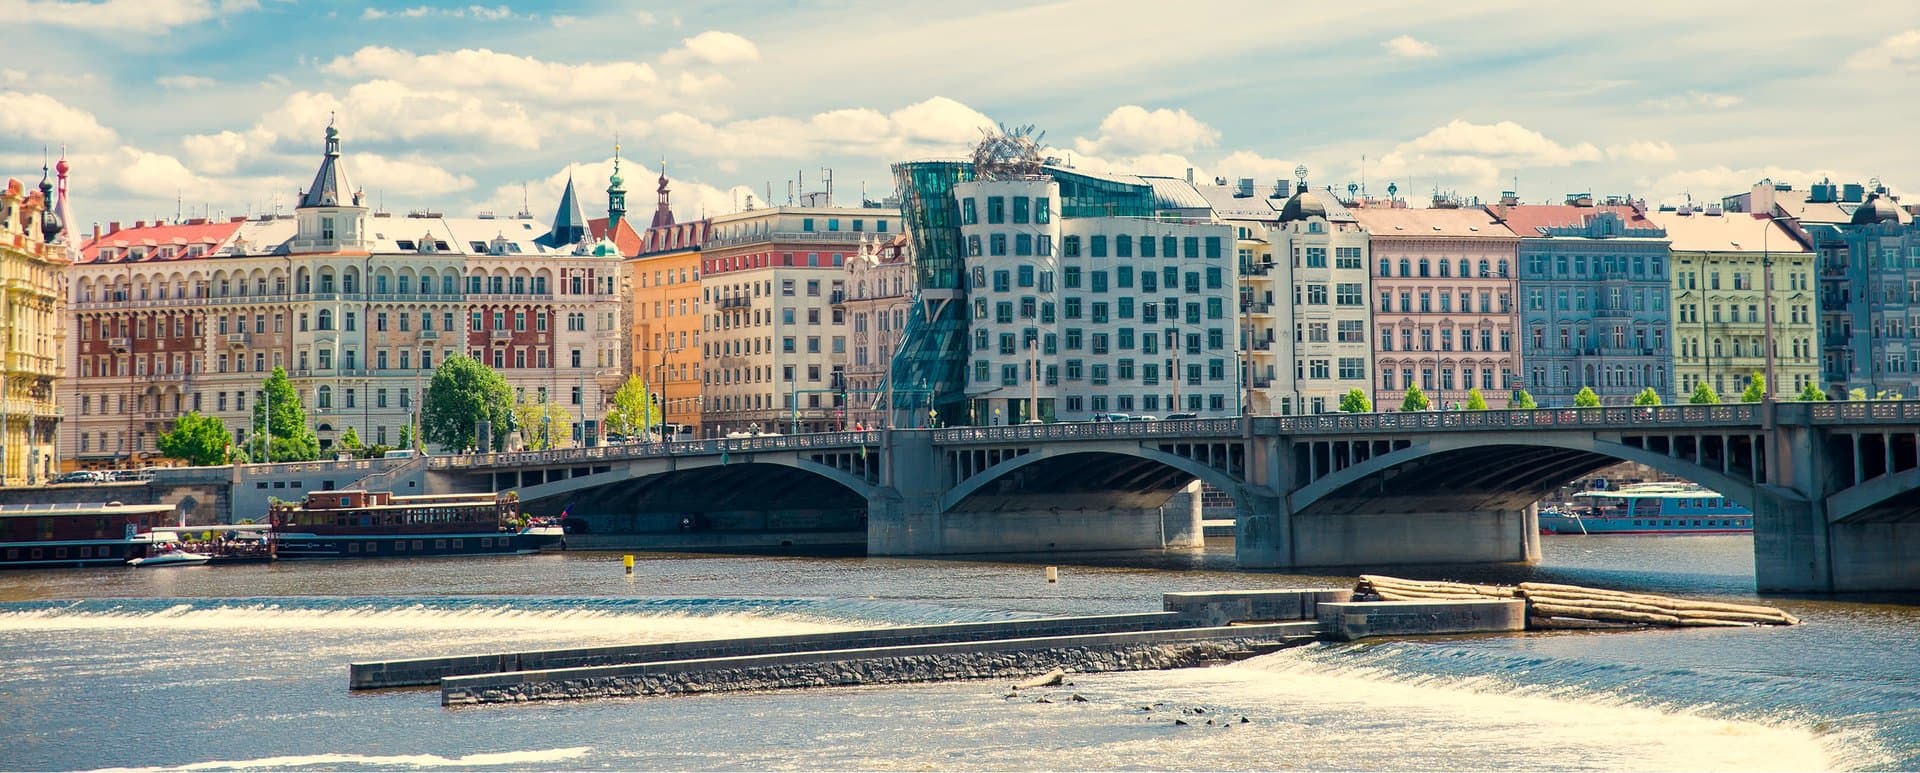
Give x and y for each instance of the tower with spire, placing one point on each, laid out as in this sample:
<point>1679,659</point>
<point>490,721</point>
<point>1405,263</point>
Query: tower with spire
<point>330,216</point>
<point>569,221</point>
<point>663,213</point>
<point>616,195</point>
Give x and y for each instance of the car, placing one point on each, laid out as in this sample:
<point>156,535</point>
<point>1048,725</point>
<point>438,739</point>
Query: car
<point>400,453</point>
<point>78,476</point>
<point>1181,416</point>
<point>1111,417</point>
<point>1144,417</point>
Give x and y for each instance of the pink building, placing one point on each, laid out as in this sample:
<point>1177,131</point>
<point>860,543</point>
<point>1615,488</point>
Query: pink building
<point>1444,311</point>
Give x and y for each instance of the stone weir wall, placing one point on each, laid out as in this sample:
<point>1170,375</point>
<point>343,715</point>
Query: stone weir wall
<point>1147,650</point>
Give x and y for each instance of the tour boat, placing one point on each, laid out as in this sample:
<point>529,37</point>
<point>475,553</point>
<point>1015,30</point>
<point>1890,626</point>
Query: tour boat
<point>377,524</point>
<point>53,535</point>
<point>169,556</point>
<point>1648,508</point>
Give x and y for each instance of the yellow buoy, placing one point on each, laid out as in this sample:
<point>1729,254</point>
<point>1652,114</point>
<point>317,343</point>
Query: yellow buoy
<point>628,560</point>
<point>1053,574</point>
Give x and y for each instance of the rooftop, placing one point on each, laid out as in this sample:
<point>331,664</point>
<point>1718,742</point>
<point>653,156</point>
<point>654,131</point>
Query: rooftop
<point>1730,232</point>
<point>1531,220</point>
<point>1461,223</point>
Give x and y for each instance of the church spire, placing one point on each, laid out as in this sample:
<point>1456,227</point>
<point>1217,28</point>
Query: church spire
<point>330,186</point>
<point>49,219</point>
<point>616,194</point>
<point>663,213</point>
<point>569,221</point>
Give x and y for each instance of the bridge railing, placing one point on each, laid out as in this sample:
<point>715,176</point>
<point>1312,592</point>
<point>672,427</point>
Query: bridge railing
<point>566,456</point>
<point>1176,428</point>
<point>1620,416</point>
<point>1860,411</point>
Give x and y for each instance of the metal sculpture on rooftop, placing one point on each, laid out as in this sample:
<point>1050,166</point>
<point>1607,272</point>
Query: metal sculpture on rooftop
<point>1008,153</point>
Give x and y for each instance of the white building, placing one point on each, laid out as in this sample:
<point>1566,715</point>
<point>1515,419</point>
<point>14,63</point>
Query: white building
<point>1112,314</point>
<point>879,296</point>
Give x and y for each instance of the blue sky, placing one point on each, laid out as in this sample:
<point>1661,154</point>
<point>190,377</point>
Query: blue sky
<point>457,108</point>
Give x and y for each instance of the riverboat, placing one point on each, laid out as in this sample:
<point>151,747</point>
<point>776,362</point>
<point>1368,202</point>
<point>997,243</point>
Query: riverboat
<point>96,534</point>
<point>1648,508</point>
<point>377,524</point>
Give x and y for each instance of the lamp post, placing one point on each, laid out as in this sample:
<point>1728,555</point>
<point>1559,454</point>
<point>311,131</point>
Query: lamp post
<point>1766,301</point>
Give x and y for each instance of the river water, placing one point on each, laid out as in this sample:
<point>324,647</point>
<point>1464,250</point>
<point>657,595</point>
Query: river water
<point>245,667</point>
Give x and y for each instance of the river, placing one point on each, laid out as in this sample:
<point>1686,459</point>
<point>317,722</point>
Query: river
<point>244,668</point>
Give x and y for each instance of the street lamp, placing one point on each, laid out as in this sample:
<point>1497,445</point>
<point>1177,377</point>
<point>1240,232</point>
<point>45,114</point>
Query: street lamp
<point>1766,301</point>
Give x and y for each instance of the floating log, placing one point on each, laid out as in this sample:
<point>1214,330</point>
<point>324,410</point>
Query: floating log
<point>1557,606</point>
<point>1594,613</point>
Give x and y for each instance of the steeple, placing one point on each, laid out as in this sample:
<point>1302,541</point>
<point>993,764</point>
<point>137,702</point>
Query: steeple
<point>330,187</point>
<point>616,195</point>
<point>570,221</point>
<point>663,214</point>
<point>60,204</point>
<point>49,219</point>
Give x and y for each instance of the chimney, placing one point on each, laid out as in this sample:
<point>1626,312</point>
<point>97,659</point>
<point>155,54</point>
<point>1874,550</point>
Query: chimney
<point>1189,175</point>
<point>1280,189</point>
<point>1853,193</point>
<point>1509,199</point>
<point>113,226</point>
<point>1244,189</point>
<point>96,230</point>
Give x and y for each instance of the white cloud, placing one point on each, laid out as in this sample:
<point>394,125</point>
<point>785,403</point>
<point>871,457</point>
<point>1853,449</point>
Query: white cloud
<point>509,74</point>
<point>56,80</point>
<point>481,12</point>
<point>1698,100</point>
<point>375,110</point>
<point>1132,129</point>
<point>1898,52</point>
<point>1409,47</point>
<point>713,47</point>
<point>184,82</point>
<point>690,199</point>
<point>1712,183</point>
<point>1644,151</point>
<point>1477,154</point>
<point>936,126</point>
<point>413,176</point>
<point>40,118</point>
<point>143,15</point>
<point>1264,170</point>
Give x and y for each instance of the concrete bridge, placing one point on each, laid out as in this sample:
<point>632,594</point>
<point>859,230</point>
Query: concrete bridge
<point>1835,487</point>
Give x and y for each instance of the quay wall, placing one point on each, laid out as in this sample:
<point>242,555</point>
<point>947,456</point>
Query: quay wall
<point>1008,658</point>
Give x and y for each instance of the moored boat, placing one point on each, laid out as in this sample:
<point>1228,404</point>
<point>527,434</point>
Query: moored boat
<point>171,555</point>
<point>95,534</point>
<point>377,524</point>
<point>1648,508</point>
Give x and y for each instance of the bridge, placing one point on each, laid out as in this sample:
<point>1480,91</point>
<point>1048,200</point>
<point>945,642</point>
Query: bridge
<point>1834,486</point>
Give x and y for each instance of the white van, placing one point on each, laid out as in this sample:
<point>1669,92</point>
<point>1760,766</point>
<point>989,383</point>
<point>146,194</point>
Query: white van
<point>400,453</point>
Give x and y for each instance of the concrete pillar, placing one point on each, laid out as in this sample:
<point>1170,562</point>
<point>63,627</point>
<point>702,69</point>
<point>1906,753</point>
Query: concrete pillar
<point>904,519</point>
<point>1180,519</point>
<point>1791,553</point>
<point>1875,556</point>
<point>1369,539</point>
<point>1530,534</point>
<point>1262,531</point>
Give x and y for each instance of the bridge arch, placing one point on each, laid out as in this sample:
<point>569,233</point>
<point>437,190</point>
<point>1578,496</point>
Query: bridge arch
<point>1893,497</point>
<point>1505,472</point>
<point>1144,459</point>
<point>641,470</point>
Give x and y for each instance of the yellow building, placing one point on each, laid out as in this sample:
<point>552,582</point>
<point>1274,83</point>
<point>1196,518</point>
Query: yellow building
<point>1719,289</point>
<point>662,278</point>
<point>33,259</point>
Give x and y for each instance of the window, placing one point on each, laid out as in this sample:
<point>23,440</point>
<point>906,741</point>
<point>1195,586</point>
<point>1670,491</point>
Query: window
<point>996,209</point>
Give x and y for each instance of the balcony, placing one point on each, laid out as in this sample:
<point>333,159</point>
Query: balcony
<point>1258,308</point>
<point>30,363</point>
<point>121,344</point>
<point>735,302</point>
<point>236,339</point>
<point>838,297</point>
<point>1262,346</point>
<point>500,336</point>
<point>1256,269</point>
<point>429,335</point>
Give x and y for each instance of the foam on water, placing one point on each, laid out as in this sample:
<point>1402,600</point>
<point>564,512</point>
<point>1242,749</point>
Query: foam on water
<point>522,759</point>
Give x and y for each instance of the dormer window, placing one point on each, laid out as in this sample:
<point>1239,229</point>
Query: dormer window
<point>405,244</point>
<point>479,247</point>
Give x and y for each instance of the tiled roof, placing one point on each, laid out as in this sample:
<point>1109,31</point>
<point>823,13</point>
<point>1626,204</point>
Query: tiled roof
<point>1526,220</point>
<point>1731,232</point>
<point>209,235</point>
<point>1465,222</point>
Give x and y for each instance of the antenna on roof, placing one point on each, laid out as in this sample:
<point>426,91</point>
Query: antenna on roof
<point>178,203</point>
<point>525,210</point>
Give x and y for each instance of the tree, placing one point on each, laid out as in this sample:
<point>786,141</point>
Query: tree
<point>1856,393</point>
<point>1415,400</point>
<point>1524,401</point>
<point>1703,394</point>
<point>1647,397</point>
<point>406,435</point>
<point>1811,394</point>
<point>287,436</point>
<point>202,441</point>
<point>633,411</point>
<point>544,425</point>
<point>350,443</point>
<point>1756,389</point>
<point>1355,401</point>
<point>464,391</point>
<point>1585,398</point>
<point>1475,400</point>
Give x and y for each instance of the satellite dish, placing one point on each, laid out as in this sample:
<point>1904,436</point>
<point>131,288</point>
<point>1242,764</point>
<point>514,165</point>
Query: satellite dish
<point>1301,173</point>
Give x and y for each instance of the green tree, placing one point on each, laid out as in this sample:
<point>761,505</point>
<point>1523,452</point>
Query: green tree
<point>1355,401</point>
<point>1524,401</point>
<point>406,435</point>
<point>1856,393</point>
<point>1812,394</point>
<point>1415,400</point>
<point>288,438</point>
<point>543,425</point>
<point>350,443</point>
<point>464,391</point>
<point>199,440</point>
<point>1756,389</point>
<point>1703,394</point>
<point>1475,400</point>
<point>1585,398</point>
<point>633,411</point>
<point>1647,397</point>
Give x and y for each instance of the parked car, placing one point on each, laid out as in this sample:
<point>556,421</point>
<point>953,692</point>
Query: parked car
<point>1182,416</point>
<point>1111,417</point>
<point>1144,417</point>
<point>79,476</point>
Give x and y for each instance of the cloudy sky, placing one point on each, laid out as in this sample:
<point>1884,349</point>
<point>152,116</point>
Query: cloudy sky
<point>461,107</point>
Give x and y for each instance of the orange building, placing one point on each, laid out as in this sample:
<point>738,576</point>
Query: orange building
<point>663,286</point>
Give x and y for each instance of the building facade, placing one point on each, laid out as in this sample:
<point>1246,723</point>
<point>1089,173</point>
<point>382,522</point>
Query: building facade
<point>357,306</point>
<point>878,298</point>
<point>1444,315</point>
<point>1720,265</point>
<point>664,293</point>
<point>33,259</point>
<point>1072,317</point>
<point>1593,293</point>
<point>773,339</point>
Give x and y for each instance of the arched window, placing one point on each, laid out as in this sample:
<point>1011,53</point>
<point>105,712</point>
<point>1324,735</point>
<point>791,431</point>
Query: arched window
<point>1406,267</point>
<point>326,319</point>
<point>1463,267</point>
<point>1483,268</point>
<point>1425,268</point>
<point>325,399</point>
<point>1386,267</point>
<point>1445,270</point>
<point>1503,268</point>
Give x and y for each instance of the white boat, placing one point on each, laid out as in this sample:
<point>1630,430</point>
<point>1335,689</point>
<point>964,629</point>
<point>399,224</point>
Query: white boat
<point>173,557</point>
